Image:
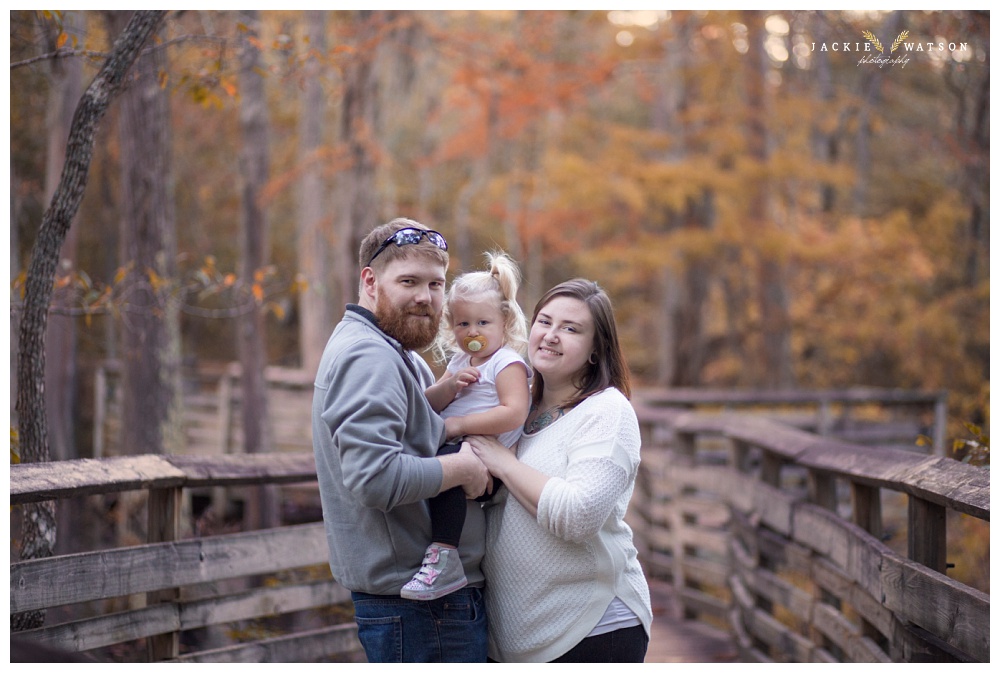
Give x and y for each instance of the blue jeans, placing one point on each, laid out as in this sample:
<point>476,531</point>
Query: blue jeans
<point>396,630</point>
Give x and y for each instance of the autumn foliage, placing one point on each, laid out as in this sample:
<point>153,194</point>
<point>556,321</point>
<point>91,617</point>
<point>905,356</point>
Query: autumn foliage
<point>765,211</point>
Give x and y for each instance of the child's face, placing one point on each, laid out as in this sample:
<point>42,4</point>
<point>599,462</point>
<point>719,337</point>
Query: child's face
<point>478,327</point>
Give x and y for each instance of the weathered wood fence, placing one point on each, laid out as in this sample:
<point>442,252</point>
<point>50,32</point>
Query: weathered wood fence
<point>168,586</point>
<point>777,535</point>
<point>764,529</point>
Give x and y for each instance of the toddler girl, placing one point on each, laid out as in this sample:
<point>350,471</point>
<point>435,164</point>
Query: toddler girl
<point>483,392</point>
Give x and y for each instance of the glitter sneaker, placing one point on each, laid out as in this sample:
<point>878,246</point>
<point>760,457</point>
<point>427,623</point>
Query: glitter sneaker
<point>440,574</point>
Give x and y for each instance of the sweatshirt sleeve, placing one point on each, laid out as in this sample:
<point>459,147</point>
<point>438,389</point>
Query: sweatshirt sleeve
<point>366,409</point>
<point>598,472</point>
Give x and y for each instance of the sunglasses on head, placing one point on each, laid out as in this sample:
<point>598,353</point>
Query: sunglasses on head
<point>410,236</point>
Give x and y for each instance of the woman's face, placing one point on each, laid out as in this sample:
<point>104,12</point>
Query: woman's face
<point>561,340</point>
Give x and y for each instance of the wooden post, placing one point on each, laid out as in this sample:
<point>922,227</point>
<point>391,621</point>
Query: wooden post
<point>823,490</point>
<point>824,420</point>
<point>866,503</point>
<point>926,534</point>
<point>100,409</point>
<point>687,444</point>
<point>770,469</point>
<point>940,424</point>
<point>220,495</point>
<point>164,526</point>
<point>739,455</point>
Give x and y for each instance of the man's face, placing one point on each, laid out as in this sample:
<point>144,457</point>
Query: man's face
<point>409,298</point>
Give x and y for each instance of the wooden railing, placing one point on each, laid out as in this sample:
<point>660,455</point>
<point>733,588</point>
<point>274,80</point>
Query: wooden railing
<point>777,535</point>
<point>765,530</point>
<point>902,416</point>
<point>231,583</point>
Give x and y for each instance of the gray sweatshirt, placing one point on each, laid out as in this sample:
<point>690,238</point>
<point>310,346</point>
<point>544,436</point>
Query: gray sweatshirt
<point>374,433</point>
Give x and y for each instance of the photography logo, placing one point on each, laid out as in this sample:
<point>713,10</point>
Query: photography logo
<point>873,52</point>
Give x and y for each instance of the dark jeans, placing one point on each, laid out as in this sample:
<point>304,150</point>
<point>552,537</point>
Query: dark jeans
<point>624,646</point>
<point>396,630</point>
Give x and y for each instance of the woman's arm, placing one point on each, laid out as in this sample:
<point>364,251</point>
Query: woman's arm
<point>512,390</point>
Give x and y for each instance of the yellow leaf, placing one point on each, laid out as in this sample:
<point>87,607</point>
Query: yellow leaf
<point>120,275</point>
<point>276,309</point>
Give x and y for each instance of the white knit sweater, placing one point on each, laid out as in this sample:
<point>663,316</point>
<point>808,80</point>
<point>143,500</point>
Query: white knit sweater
<point>549,580</point>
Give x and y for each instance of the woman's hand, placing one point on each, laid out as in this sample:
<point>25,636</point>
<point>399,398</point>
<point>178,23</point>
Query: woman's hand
<point>524,483</point>
<point>493,454</point>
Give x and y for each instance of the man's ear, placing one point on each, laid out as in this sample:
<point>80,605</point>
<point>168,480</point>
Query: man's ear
<point>369,283</point>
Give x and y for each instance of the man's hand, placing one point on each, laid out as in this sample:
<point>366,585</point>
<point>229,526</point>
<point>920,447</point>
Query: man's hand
<point>466,470</point>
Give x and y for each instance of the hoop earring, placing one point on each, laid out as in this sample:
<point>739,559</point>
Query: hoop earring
<point>592,359</point>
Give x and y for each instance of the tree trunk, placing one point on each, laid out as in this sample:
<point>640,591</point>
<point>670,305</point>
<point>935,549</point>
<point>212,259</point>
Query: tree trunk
<point>871,83</point>
<point>315,307</point>
<point>38,529</point>
<point>150,327</point>
<point>355,207</point>
<point>775,326</point>
<point>66,85</point>
<point>261,509</point>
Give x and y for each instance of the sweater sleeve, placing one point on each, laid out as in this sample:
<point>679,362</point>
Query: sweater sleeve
<point>598,472</point>
<point>365,408</point>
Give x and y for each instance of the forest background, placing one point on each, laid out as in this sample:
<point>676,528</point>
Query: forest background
<point>766,208</point>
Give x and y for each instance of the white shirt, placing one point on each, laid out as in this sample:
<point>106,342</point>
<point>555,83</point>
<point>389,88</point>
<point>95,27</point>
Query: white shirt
<point>551,579</point>
<point>482,395</point>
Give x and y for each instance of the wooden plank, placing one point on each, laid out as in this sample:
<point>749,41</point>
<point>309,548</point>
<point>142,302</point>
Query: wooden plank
<point>944,481</point>
<point>834,581</point>
<point>43,583</point>
<point>119,627</point>
<point>822,531</point>
<point>957,614</point>
<point>701,603</point>
<point>264,602</point>
<point>769,585</point>
<point>36,482</point>
<point>704,541</point>
<point>307,646</point>
<point>727,396</point>
<point>243,469</point>
<point>705,572</point>
<point>791,645</point>
<point>774,507</point>
<point>834,626</point>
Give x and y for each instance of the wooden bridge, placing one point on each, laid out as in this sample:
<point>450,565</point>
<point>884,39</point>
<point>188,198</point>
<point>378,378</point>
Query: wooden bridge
<point>762,541</point>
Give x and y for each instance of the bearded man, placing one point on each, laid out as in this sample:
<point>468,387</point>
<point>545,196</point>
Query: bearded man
<point>376,440</point>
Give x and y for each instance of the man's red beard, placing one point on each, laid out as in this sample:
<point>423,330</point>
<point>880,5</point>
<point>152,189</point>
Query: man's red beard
<point>411,332</point>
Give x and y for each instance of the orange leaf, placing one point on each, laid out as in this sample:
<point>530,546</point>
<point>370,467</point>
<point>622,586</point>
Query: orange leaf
<point>61,40</point>
<point>258,292</point>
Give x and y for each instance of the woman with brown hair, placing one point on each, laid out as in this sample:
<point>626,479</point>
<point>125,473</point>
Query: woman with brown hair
<point>563,581</point>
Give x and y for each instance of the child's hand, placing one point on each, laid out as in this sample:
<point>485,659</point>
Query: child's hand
<point>464,378</point>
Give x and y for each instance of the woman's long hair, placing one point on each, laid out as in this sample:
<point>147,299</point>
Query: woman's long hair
<point>606,367</point>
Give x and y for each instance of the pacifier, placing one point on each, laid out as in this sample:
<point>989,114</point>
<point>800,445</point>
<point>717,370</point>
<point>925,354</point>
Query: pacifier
<point>474,344</point>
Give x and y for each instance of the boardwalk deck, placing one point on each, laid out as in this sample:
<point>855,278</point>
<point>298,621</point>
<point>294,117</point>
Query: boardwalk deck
<point>678,641</point>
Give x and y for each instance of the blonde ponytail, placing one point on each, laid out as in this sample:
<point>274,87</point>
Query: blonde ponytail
<point>502,282</point>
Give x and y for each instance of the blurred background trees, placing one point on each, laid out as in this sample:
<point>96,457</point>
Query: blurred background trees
<point>764,211</point>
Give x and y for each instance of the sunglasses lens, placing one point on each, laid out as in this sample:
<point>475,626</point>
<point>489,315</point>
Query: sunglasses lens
<point>411,237</point>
